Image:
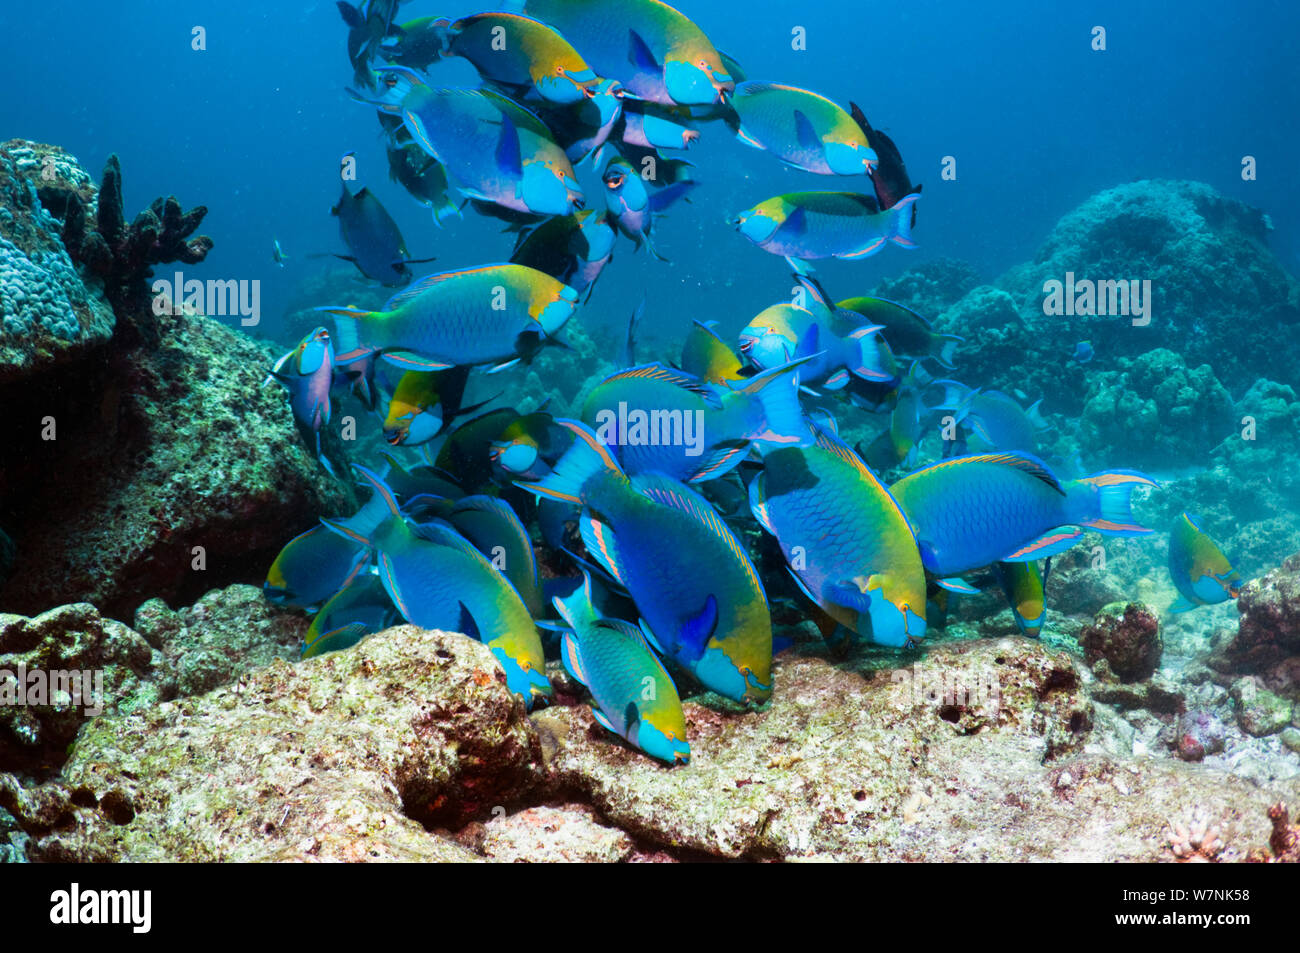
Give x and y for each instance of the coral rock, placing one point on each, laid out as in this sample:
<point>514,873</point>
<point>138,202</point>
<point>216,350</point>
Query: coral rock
<point>1127,638</point>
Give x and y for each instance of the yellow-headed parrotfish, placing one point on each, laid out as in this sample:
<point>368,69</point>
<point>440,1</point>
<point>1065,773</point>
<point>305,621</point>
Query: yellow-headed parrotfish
<point>996,420</point>
<point>1200,571</point>
<point>970,512</point>
<point>423,405</point>
<point>494,314</point>
<point>358,609</point>
<point>375,244</point>
<point>438,580</point>
<point>808,225</point>
<point>1025,587</point>
<point>785,332</point>
<point>632,205</point>
<point>307,372</point>
<point>635,697</point>
<point>529,446</point>
<point>908,333</point>
<point>898,444</point>
<point>708,357</point>
<point>801,128</point>
<point>656,419</point>
<point>528,57</point>
<point>316,564</point>
<point>655,51</point>
<point>494,149</point>
<point>573,249</point>
<point>699,596</point>
<point>847,541</point>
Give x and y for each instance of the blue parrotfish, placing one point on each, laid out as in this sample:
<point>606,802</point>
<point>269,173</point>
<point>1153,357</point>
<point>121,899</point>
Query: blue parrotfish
<point>358,609</point>
<point>908,333</point>
<point>495,150</point>
<point>810,225</point>
<point>438,580</point>
<point>632,205</point>
<point>655,51</point>
<point>494,314</point>
<point>972,511</point>
<point>700,599</point>
<point>801,128</point>
<point>1200,571</point>
<point>633,693</point>
<point>997,421</point>
<point>846,539</point>
<point>656,419</point>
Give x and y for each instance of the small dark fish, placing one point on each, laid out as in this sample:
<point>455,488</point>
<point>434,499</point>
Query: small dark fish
<point>375,242</point>
<point>889,177</point>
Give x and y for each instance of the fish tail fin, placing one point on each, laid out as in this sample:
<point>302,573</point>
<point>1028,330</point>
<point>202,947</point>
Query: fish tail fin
<point>1113,502</point>
<point>900,226</point>
<point>347,336</point>
<point>585,458</point>
<point>868,366</point>
<point>777,394</point>
<point>576,607</point>
<point>948,349</point>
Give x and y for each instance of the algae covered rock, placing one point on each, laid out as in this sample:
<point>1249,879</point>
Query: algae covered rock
<point>346,757</point>
<point>567,834</point>
<point>1127,639</point>
<point>1269,631</point>
<point>61,668</point>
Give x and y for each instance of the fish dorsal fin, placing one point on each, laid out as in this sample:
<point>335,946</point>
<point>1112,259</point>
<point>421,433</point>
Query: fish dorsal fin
<point>443,535</point>
<point>1017,461</point>
<point>669,375</point>
<point>829,441</point>
<point>421,285</point>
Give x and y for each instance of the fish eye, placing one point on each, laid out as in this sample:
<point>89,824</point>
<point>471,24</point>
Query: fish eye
<point>614,182</point>
<point>588,92</point>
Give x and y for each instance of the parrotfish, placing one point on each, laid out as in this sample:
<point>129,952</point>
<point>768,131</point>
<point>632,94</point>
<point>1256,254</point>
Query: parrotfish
<point>647,126</point>
<point>316,564</point>
<point>908,334</point>
<point>899,443</point>
<point>424,404</point>
<point>970,512</point>
<point>375,243</point>
<point>490,524</point>
<point>527,56</point>
<point>416,43</point>
<point>801,128</point>
<point>573,249</point>
<point>651,48</point>
<point>1200,571</point>
<point>424,178</point>
<point>529,446</point>
<point>998,421</point>
<point>809,225</point>
<point>438,580</point>
<point>494,314</point>
<point>634,695</point>
<point>308,373</point>
<point>699,596</point>
<point>356,610</point>
<point>496,151</point>
<point>708,357</point>
<point>655,419</point>
<point>784,332</point>
<point>846,539</point>
<point>889,175</point>
<point>467,451</point>
<point>582,127</point>
<point>632,205</point>
<point>1025,588</point>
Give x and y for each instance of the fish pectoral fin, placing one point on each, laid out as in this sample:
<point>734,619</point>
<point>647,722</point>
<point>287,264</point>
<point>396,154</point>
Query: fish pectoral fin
<point>850,594</point>
<point>805,132</point>
<point>467,625</point>
<point>410,361</point>
<point>1051,543</point>
<point>601,720</point>
<point>650,637</point>
<point>508,155</point>
<point>639,55</point>
<point>1182,604</point>
<point>837,380</point>
<point>957,584</point>
<point>570,657</point>
<point>698,629</point>
<point>796,223</point>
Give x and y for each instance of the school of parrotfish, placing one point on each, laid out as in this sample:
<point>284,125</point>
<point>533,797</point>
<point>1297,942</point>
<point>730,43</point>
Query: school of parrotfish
<point>642,496</point>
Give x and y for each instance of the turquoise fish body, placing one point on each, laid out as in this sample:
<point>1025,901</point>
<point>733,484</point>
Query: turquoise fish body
<point>1200,571</point>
